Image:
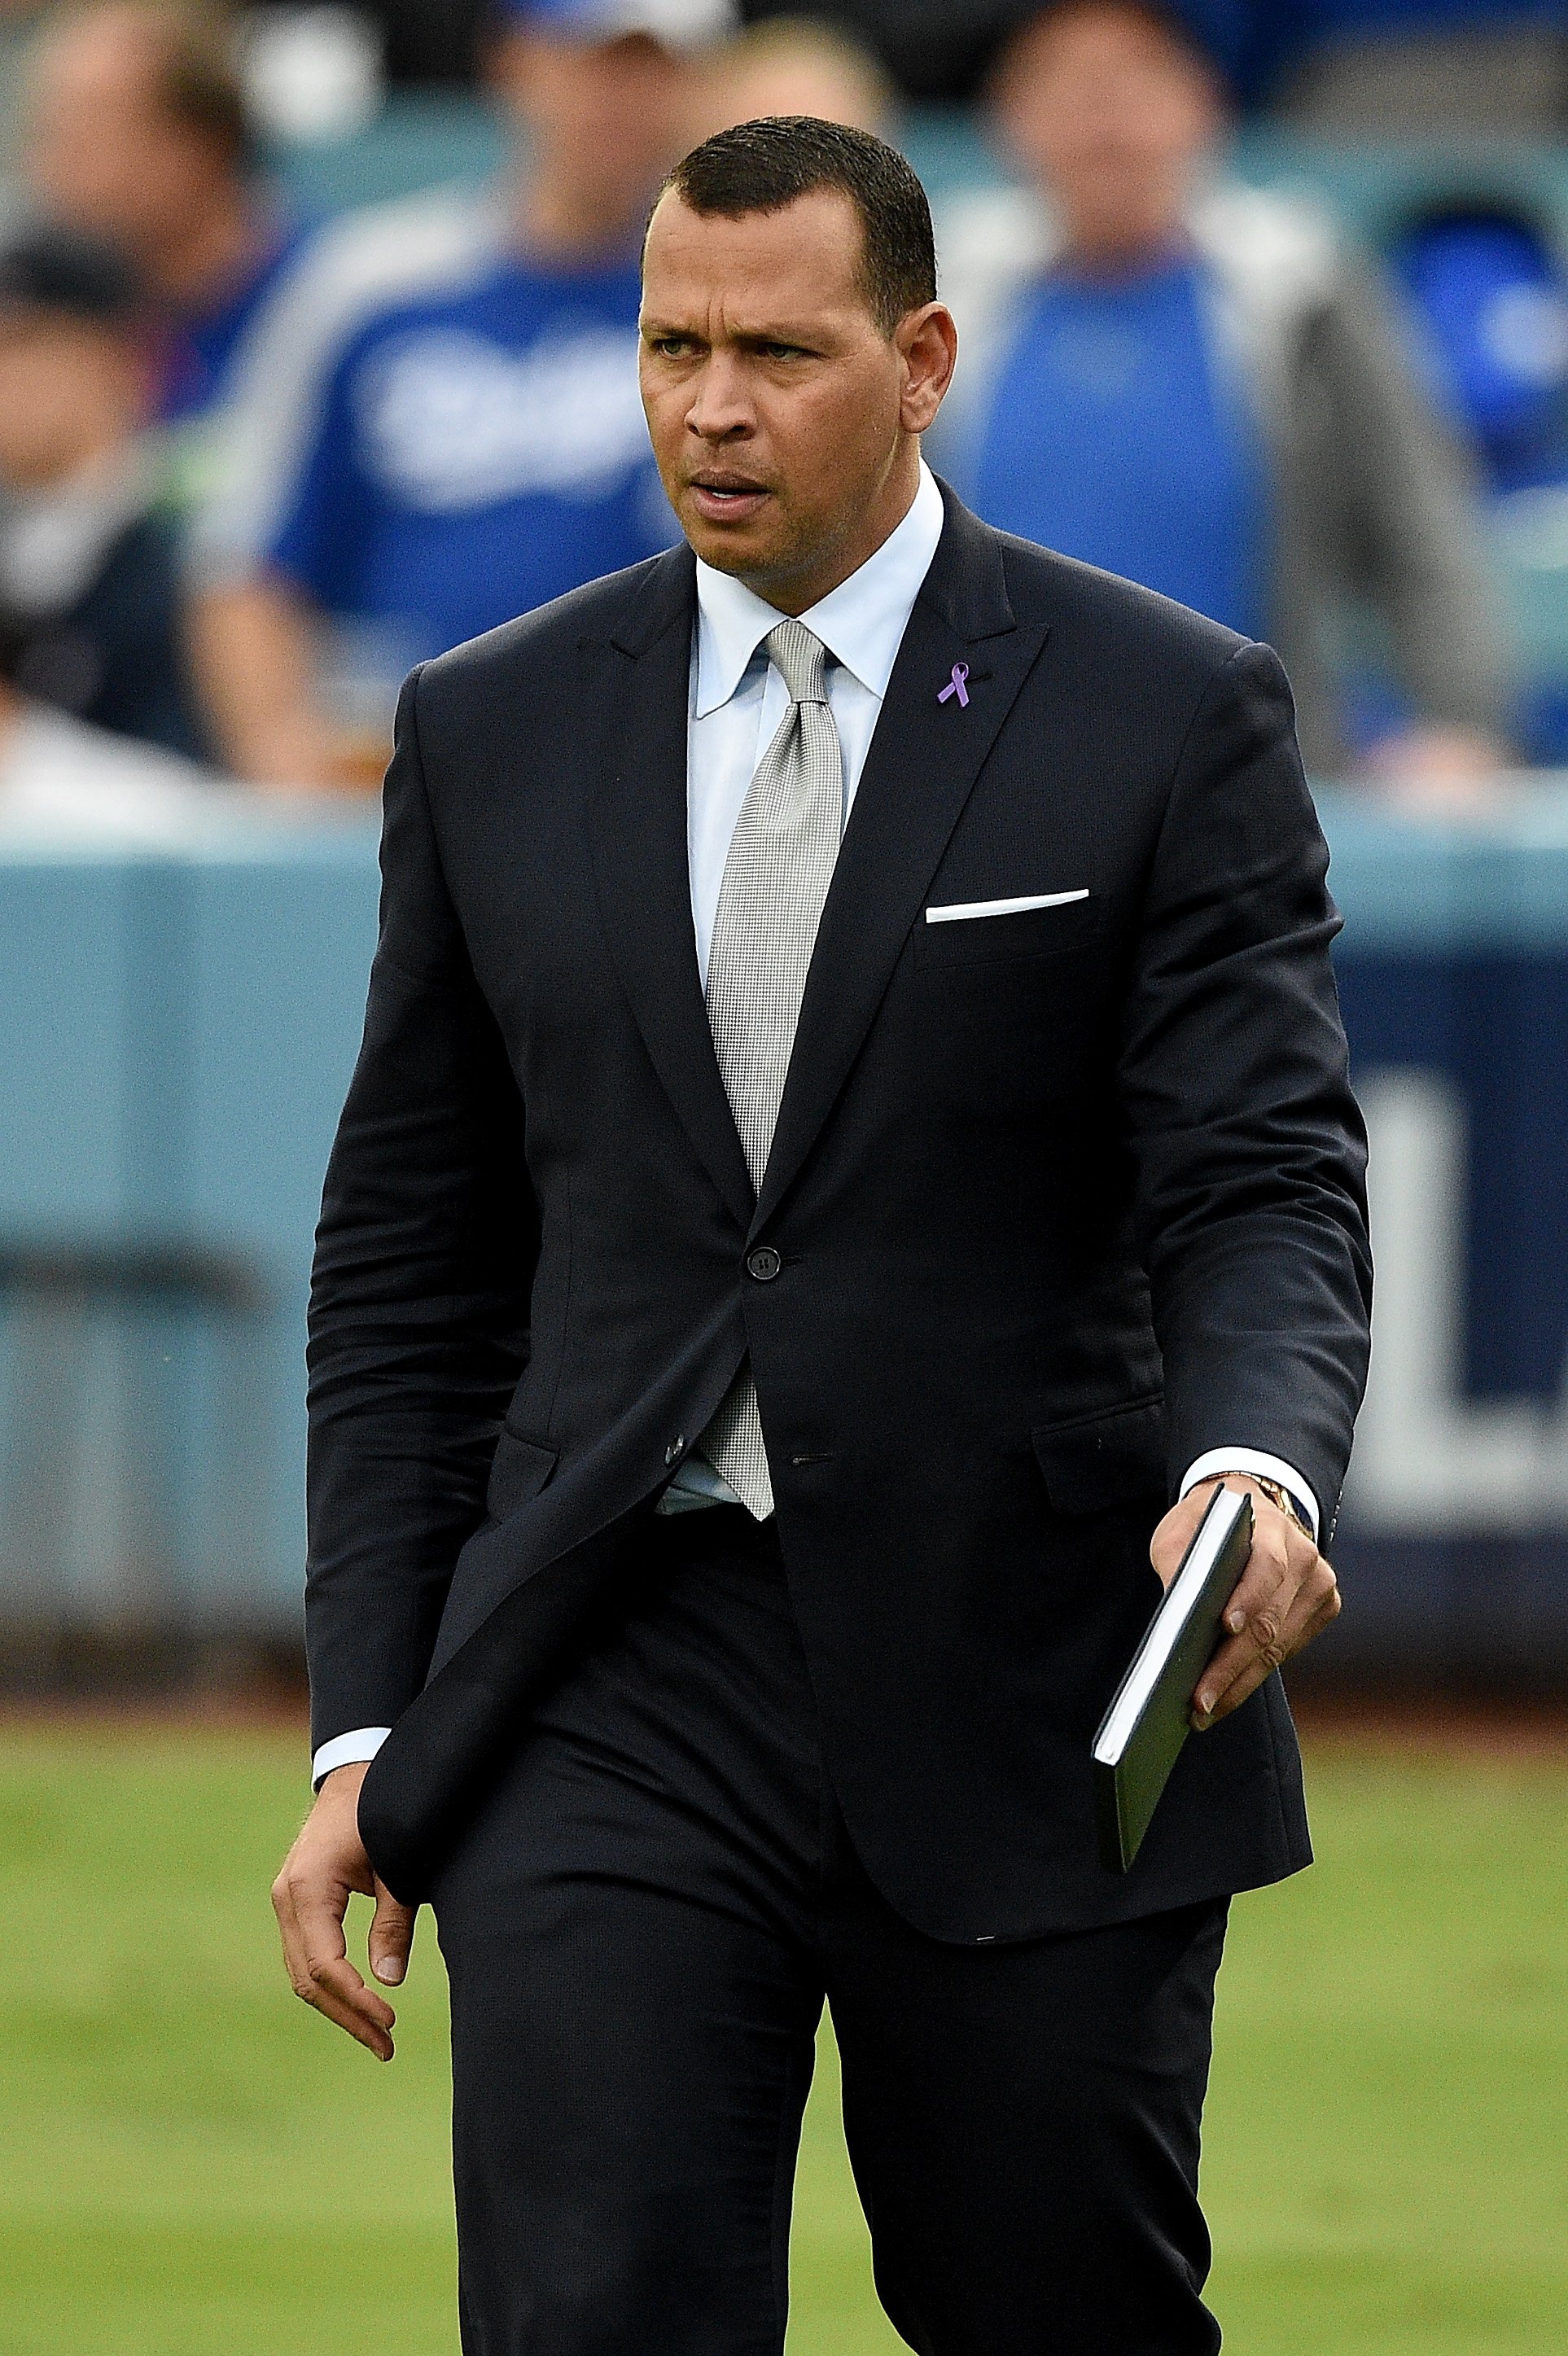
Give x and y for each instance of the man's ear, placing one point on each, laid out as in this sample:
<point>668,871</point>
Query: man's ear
<point>927,340</point>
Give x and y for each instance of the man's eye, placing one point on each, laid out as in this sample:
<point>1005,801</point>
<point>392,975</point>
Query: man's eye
<point>671,347</point>
<point>782,351</point>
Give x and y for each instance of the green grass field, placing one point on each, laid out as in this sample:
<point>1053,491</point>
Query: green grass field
<point>190,2164</point>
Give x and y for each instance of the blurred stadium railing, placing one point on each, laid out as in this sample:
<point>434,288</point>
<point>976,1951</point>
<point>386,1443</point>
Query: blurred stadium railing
<point>177,1033</point>
<point>176,1038</point>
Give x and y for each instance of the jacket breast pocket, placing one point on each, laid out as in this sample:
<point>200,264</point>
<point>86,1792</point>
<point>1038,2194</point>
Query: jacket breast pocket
<point>1114,1458</point>
<point>955,938</point>
<point>519,1469</point>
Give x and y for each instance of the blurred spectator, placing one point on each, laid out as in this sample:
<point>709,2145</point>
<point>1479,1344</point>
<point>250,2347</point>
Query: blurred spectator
<point>1492,292</point>
<point>933,48</point>
<point>1420,68</point>
<point>63,779</point>
<point>1188,383</point>
<point>89,566</point>
<point>1490,286</point>
<point>136,131</point>
<point>440,427</point>
<point>794,65</point>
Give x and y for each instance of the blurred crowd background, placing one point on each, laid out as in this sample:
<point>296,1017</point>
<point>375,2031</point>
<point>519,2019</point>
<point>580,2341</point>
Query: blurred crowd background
<point>318,333</point>
<point>316,327</point>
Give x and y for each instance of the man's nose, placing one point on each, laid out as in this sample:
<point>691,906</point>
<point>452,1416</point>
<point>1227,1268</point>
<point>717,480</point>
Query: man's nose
<point>720,411</point>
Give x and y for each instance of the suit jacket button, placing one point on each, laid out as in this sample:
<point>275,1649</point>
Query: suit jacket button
<point>677,1448</point>
<point>764,1263</point>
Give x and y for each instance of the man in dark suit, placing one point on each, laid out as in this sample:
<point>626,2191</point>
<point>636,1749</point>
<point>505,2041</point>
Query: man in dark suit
<point>768,1290</point>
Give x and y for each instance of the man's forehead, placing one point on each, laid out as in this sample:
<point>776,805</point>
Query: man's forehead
<point>802,260</point>
<point>820,227</point>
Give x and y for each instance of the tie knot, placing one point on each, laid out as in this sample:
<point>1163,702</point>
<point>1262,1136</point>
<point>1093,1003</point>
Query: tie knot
<point>801,659</point>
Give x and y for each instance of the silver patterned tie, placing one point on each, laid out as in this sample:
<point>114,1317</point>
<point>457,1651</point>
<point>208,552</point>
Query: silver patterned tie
<point>776,879</point>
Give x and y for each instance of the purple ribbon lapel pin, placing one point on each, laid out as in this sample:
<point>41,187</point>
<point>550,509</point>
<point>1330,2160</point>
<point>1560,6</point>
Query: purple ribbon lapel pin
<point>957,685</point>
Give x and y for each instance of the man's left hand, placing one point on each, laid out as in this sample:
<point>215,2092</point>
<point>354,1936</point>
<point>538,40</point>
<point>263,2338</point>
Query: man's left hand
<point>1285,1597</point>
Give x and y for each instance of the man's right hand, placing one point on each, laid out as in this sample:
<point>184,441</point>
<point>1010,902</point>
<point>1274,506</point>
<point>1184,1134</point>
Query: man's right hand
<point>310,1897</point>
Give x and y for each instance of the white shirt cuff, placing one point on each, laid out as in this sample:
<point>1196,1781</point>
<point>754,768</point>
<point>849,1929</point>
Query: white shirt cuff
<point>1263,1467</point>
<point>346,1750</point>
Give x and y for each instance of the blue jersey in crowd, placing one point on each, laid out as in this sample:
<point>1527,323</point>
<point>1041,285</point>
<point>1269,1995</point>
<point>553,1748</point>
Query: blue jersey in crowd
<point>482,449</point>
<point>1116,433</point>
<point>199,347</point>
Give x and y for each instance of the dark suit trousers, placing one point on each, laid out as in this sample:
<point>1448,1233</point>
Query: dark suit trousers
<point>641,1925</point>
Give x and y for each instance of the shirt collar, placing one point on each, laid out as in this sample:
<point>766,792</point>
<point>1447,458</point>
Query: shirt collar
<point>862,622</point>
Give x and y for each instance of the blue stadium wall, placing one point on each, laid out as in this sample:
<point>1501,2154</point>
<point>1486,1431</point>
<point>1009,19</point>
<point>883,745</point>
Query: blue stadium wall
<point>176,1034</point>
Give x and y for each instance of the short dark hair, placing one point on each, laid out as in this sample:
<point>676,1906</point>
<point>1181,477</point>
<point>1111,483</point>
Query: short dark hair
<point>761,166</point>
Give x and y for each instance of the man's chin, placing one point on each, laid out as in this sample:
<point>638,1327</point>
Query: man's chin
<point>746,546</point>
<point>728,548</point>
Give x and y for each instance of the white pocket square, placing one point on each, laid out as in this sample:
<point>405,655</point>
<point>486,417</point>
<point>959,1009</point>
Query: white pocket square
<point>959,912</point>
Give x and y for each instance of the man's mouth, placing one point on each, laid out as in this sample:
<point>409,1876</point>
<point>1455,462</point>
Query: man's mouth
<point>726,498</point>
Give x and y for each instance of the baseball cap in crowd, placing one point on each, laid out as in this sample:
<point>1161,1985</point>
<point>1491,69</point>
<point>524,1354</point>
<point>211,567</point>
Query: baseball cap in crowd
<point>675,24</point>
<point>43,268</point>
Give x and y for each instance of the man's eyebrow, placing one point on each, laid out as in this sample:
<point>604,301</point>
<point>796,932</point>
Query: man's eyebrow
<point>778,332</point>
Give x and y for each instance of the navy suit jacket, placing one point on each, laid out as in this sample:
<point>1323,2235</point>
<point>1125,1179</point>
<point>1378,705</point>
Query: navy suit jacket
<point>1057,1200</point>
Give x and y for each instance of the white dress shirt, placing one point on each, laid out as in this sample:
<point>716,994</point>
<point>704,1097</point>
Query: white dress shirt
<point>737,700</point>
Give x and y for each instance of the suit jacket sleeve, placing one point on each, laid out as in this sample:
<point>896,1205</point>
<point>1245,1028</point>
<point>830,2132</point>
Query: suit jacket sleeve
<point>1249,1149</point>
<point>419,1301</point>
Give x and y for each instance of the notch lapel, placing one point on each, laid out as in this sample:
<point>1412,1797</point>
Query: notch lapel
<point>925,757</point>
<point>642,871</point>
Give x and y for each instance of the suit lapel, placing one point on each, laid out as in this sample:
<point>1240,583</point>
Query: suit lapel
<point>642,869</point>
<point>924,759</point>
<point>922,766</point>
